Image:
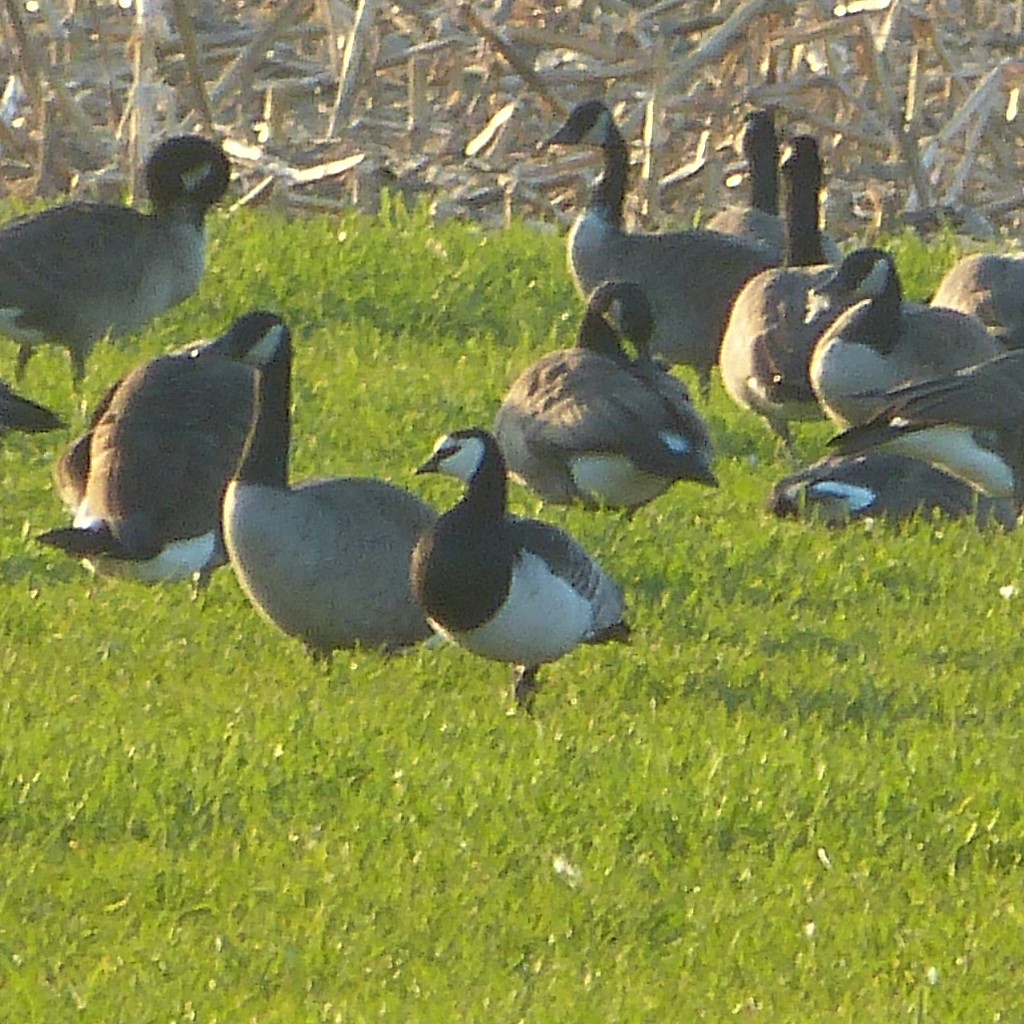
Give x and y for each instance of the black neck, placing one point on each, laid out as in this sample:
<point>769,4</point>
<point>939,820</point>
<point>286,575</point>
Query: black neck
<point>608,192</point>
<point>882,324</point>
<point>764,180</point>
<point>486,494</point>
<point>265,456</point>
<point>803,228</point>
<point>597,335</point>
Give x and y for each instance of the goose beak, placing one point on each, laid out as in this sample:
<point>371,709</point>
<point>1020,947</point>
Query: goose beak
<point>432,465</point>
<point>565,136</point>
<point>707,477</point>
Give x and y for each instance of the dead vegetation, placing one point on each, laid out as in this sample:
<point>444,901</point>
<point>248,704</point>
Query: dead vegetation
<point>323,103</point>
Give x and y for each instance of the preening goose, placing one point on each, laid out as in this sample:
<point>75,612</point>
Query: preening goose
<point>592,425</point>
<point>690,278</point>
<point>326,561</point>
<point>771,334</point>
<point>17,413</point>
<point>507,588</point>
<point>969,423</point>
<point>145,482</point>
<point>760,221</point>
<point>75,273</point>
<point>990,287</point>
<point>883,342</point>
<point>880,485</point>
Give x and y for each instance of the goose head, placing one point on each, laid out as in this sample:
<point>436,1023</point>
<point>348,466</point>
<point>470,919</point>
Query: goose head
<point>589,123</point>
<point>253,338</point>
<point>187,169</point>
<point>616,310</point>
<point>864,274</point>
<point>462,454</point>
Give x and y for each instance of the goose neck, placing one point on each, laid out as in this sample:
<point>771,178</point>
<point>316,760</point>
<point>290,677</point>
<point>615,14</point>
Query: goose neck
<point>764,180</point>
<point>883,320</point>
<point>803,229</point>
<point>265,456</point>
<point>608,193</point>
<point>487,492</point>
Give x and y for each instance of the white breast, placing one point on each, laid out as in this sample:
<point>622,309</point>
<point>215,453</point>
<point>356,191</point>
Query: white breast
<point>542,618</point>
<point>614,480</point>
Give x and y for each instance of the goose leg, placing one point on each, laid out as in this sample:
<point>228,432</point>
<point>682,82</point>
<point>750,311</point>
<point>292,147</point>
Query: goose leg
<point>24,355</point>
<point>526,687</point>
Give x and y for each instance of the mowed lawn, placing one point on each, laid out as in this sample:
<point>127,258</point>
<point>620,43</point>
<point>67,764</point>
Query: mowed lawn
<point>795,796</point>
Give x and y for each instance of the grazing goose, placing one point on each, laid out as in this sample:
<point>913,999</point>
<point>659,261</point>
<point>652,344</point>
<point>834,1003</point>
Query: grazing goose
<point>969,423</point>
<point>327,561</point>
<point>73,274</point>
<point>768,343</point>
<point>880,485</point>
<point>17,413</point>
<point>146,480</point>
<point>507,588</point>
<point>589,424</point>
<point>991,288</point>
<point>690,278</point>
<point>760,222</point>
<point>883,342</point>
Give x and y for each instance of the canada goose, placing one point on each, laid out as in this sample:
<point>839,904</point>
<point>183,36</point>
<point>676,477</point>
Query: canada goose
<point>771,334</point>
<point>327,561</point>
<point>690,278</point>
<point>73,274</point>
<point>883,342</point>
<point>760,222</point>
<point>17,413</point>
<point>880,485</point>
<point>991,288</point>
<point>503,587</point>
<point>969,423</point>
<point>589,424</point>
<point>146,480</point>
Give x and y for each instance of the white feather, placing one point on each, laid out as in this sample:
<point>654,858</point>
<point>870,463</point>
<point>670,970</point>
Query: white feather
<point>541,619</point>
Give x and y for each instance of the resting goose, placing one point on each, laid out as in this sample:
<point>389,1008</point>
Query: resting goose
<point>592,425</point>
<point>990,287</point>
<point>326,561</point>
<point>145,482</point>
<point>882,485</point>
<point>78,272</point>
<point>690,278</point>
<point>883,342</point>
<point>969,423</point>
<point>506,588</point>
<point>771,334</point>
<point>17,413</point>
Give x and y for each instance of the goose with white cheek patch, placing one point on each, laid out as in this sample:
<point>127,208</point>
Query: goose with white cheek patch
<point>504,587</point>
<point>18,413</point>
<point>326,561</point>
<point>146,480</point>
<point>884,342</point>
<point>81,271</point>
<point>838,490</point>
<point>592,425</point>
<point>690,278</point>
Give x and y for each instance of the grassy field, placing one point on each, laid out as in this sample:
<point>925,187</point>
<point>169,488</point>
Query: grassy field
<point>795,796</point>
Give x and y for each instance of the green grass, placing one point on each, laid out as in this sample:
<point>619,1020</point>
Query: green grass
<point>794,796</point>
